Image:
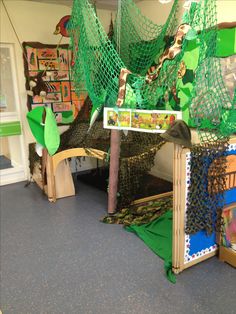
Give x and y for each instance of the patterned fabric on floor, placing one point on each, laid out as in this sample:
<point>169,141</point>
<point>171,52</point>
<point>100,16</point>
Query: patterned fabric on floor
<point>141,213</point>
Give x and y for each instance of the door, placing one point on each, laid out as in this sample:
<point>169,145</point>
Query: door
<point>12,153</point>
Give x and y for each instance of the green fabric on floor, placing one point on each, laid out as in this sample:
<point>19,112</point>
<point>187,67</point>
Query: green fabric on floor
<point>139,214</point>
<point>157,235</point>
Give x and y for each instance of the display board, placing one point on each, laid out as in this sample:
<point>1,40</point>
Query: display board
<point>152,121</point>
<point>54,62</point>
<point>194,248</point>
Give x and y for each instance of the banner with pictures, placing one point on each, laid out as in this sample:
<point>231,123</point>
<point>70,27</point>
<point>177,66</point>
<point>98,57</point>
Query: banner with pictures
<point>152,121</point>
<point>55,63</point>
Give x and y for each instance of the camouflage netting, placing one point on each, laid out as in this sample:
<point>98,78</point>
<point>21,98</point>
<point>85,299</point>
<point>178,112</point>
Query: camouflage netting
<point>141,213</point>
<point>135,159</point>
<point>205,194</point>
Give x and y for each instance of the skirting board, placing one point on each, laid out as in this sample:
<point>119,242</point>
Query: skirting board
<point>12,175</point>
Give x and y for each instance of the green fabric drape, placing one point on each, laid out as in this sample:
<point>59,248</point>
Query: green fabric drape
<point>157,235</point>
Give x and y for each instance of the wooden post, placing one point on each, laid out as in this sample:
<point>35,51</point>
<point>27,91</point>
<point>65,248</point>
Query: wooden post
<point>113,170</point>
<point>51,180</point>
<point>43,166</point>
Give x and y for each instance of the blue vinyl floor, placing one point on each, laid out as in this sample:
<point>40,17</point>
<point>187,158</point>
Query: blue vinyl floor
<point>58,258</point>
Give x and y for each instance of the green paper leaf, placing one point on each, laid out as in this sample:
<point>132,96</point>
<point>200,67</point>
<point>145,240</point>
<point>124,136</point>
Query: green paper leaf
<point>46,134</point>
<point>34,118</point>
<point>188,77</point>
<point>51,133</point>
<point>130,98</point>
<point>191,56</point>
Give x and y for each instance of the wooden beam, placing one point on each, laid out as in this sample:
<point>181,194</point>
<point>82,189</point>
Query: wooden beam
<point>77,152</point>
<point>113,170</point>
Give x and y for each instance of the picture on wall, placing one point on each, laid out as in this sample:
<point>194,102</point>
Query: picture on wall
<point>54,63</point>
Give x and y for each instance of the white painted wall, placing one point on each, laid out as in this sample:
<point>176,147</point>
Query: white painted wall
<point>163,167</point>
<point>158,12</point>
<point>34,21</point>
<point>226,10</point>
<point>155,11</point>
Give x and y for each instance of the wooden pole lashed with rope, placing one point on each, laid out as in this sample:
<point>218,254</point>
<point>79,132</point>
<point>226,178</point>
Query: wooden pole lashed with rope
<point>115,142</point>
<point>114,170</point>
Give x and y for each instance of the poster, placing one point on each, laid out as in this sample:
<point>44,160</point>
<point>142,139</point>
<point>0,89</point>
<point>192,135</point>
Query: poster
<point>55,63</point>
<point>153,121</point>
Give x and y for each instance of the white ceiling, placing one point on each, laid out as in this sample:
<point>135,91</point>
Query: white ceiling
<point>102,4</point>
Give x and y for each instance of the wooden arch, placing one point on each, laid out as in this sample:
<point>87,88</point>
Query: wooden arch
<point>52,163</point>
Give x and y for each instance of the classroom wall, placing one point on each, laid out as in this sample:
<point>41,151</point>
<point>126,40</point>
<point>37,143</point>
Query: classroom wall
<point>154,10</point>
<point>158,12</point>
<point>35,21</point>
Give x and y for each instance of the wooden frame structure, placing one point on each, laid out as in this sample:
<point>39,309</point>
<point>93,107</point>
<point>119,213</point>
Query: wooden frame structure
<point>179,262</point>
<point>181,249</point>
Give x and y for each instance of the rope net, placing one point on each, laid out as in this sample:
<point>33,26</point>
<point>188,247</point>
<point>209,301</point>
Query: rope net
<point>139,40</point>
<point>98,63</point>
<point>189,77</point>
<point>184,74</point>
<point>211,104</point>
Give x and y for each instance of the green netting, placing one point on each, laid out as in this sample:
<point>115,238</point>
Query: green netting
<point>135,160</point>
<point>210,97</point>
<point>212,110</point>
<point>97,64</point>
<point>137,39</point>
<point>97,59</point>
<point>192,81</point>
<point>137,45</point>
